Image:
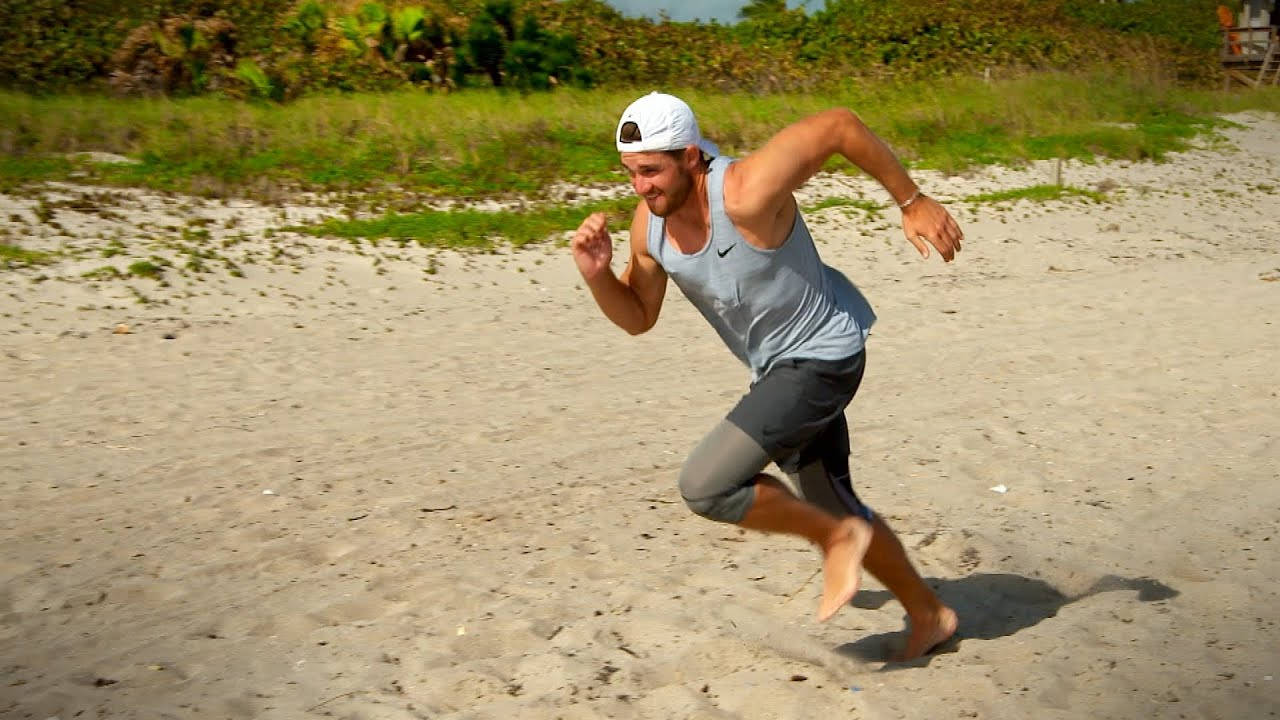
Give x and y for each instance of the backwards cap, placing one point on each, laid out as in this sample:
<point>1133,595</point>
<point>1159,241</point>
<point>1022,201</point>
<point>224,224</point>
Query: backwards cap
<point>663,122</point>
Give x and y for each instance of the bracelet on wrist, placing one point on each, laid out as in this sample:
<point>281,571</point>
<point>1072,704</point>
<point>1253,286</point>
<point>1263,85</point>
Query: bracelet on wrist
<point>914,197</point>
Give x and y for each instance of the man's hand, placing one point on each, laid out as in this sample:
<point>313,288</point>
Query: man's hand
<point>592,246</point>
<point>927,221</point>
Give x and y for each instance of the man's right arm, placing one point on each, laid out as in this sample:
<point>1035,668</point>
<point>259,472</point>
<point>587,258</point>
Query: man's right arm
<point>632,301</point>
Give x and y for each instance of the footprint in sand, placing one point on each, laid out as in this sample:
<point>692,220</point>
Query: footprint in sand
<point>363,610</point>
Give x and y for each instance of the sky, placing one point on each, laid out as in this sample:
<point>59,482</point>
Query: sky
<point>723,11</point>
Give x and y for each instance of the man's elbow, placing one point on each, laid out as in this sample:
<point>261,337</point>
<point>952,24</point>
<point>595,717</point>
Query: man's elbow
<point>842,114</point>
<point>639,329</point>
<point>845,120</point>
<point>833,131</point>
<point>644,325</point>
<point>843,131</point>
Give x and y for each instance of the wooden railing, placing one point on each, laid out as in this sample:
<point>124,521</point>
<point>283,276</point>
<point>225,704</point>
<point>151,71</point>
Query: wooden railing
<point>1251,56</point>
<point>1246,44</point>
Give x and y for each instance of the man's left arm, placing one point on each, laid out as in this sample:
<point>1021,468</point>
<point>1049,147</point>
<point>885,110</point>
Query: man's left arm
<point>762,183</point>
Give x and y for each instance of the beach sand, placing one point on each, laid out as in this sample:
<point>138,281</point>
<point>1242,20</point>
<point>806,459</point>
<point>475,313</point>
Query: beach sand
<point>339,485</point>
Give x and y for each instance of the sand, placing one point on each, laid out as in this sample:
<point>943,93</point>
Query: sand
<point>339,485</point>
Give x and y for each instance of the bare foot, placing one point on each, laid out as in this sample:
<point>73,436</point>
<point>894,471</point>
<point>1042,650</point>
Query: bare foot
<point>928,633</point>
<point>842,565</point>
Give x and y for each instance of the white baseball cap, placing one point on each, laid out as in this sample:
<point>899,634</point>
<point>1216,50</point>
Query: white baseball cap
<point>662,122</point>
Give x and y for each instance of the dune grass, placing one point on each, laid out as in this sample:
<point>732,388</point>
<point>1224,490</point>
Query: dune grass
<point>476,143</point>
<point>464,145</point>
<point>12,256</point>
<point>473,228</point>
<point>870,209</point>
<point>1038,193</point>
<point>488,144</point>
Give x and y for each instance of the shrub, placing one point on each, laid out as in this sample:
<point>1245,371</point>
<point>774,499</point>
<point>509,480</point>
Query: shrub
<point>178,55</point>
<point>193,46</point>
<point>256,80</point>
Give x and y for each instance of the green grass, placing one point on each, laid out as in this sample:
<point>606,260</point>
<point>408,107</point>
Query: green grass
<point>485,143</point>
<point>464,144</point>
<point>16,171</point>
<point>477,144</point>
<point>146,269</point>
<point>474,228</point>
<point>967,123</point>
<point>869,208</point>
<point>1037,193</point>
<point>106,272</point>
<point>12,256</point>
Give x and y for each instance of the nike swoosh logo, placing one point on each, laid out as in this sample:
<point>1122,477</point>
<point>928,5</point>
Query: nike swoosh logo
<point>724,252</point>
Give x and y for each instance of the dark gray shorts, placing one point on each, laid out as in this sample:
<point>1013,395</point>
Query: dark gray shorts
<point>794,417</point>
<point>796,411</point>
<point>796,414</point>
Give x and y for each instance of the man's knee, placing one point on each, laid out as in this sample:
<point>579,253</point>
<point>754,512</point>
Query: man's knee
<point>724,499</point>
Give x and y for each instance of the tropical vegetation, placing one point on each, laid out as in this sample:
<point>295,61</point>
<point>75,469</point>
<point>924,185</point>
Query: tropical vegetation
<point>284,49</point>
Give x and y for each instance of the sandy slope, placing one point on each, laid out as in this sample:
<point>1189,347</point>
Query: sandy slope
<point>471,510</point>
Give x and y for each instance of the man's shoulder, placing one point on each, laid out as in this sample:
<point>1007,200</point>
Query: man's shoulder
<point>750,197</point>
<point>640,221</point>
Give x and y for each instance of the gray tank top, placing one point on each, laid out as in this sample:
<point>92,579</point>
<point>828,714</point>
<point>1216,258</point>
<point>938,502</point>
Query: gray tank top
<point>767,305</point>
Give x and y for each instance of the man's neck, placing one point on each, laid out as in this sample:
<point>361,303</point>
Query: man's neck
<point>694,215</point>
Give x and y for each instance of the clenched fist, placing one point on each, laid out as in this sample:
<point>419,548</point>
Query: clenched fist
<point>592,247</point>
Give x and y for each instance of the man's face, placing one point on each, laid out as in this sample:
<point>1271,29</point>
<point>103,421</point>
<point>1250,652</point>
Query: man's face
<point>662,180</point>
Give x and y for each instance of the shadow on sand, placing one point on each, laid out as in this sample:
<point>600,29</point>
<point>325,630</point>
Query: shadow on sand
<point>990,605</point>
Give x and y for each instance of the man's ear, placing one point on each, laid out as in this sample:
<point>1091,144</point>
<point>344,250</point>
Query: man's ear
<point>692,157</point>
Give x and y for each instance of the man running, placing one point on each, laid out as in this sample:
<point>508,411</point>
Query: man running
<point>730,235</point>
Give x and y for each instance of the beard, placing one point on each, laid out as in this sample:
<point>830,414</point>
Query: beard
<point>673,198</point>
